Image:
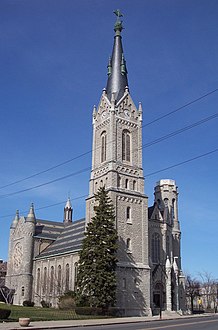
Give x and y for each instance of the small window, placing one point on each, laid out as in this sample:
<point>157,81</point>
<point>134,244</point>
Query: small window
<point>134,185</point>
<point>128,244</point>
<point>126,183</point>
<point>124,283</point>
<point>128,214</point>
<point>22,291</point>
<point>118,181</point>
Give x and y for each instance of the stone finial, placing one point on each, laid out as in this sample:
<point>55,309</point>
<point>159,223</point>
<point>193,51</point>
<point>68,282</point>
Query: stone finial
<point>31,216</point>
<point>16,219</point>
<point>168,264</point>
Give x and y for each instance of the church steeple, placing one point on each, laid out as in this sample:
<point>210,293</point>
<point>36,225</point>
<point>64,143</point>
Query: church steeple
<point>117,72</point>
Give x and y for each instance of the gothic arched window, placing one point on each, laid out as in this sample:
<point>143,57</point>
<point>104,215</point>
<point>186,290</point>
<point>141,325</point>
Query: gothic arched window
<point>59,279</point>
<point>134,185</point>
<point>126,145</point>
<point>103,146</point>
<point>155,248</point>
<point>75,273</point>
<point>67,279</point>
<point>51,279</point>
<point>44,281</point>
<point>38,280</point>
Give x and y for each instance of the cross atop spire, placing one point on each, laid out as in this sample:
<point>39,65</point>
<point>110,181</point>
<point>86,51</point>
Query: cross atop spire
<point>117,71</point>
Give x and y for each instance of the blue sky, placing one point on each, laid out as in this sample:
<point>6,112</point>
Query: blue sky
<point>53,61</point>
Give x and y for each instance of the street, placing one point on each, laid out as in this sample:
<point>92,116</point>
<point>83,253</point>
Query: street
<point>201,323</point>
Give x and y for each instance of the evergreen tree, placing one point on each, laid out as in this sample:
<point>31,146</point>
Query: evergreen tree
<point>96,281</point>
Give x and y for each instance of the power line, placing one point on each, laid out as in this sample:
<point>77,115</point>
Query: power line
<point>181,163</point>
<point>180,108</point>
<point>146,175</point>
<point>181,130</point>
<point>89,168</point>
<point>90,151</point>
<point>46,183</point>
<point>44,207</point>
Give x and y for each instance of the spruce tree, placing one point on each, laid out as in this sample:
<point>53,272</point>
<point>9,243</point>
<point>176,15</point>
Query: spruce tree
<point>96,281</point>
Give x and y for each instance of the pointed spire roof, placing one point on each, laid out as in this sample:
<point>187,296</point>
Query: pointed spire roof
<point>117,72</point>
<point>16,219</point>
<point>68,204</point>
<point>31,216</point>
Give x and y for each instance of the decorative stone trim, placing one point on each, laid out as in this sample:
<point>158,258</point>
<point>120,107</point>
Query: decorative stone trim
<point>129,199</point>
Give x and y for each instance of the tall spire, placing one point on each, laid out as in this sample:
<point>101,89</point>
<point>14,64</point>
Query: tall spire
<point>117,72</point>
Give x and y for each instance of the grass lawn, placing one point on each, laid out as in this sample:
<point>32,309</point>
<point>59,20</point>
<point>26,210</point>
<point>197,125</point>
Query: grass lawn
<point>41,314</point>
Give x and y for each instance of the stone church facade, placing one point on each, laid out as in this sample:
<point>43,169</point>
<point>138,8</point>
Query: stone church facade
<point>43,255</point>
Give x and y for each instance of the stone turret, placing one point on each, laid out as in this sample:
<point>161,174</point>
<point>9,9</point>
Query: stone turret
<point>28,248</point>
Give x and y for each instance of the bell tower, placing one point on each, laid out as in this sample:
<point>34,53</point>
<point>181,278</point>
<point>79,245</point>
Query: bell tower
<point>117,165</point>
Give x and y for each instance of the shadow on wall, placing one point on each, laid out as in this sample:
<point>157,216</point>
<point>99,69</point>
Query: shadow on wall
<point>131,288</point>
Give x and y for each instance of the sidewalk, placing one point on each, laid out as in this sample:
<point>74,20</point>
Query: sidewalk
<point>79,323</point>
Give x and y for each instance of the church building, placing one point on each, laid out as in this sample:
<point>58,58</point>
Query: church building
<point>43,255</point>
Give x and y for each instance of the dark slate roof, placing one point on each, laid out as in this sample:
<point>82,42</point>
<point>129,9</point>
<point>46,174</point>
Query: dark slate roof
<point>69,240</point>
<point>48,229</point>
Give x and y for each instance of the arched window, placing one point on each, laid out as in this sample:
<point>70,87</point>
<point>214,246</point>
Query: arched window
<point>44,281</point>
<point>51,280</point>
<point>128,244</point>
<point>166,202</point>
<point>59,279</point>
<point>173,209</point>
<point>128,214</point>
<point>118,181</point>
<point>126,145</point>
<point>67,279</point>
<point>38,280</point>
<point>103,146</point>
<point>155,248</point>
<point>75,274</point>
<point>134,185</point>
<point>126,183</point>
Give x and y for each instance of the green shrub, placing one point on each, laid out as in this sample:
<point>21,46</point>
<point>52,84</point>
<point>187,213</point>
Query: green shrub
<point>97,311</point>
<point>28,303</point>
<point>45,304</point>
<point>4,314</point>
<point>67,301</point>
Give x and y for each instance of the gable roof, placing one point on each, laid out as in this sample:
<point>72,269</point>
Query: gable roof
<point>69,240</point>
